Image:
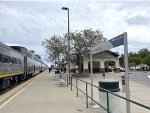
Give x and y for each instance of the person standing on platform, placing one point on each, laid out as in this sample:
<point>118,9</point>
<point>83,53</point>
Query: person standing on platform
<point>49,69</point>
<point>103,75</point>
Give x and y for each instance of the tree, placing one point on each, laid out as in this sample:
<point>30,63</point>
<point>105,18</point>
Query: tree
<point>80,44</point>
<point>143,52</point>
<point>132,54</point>
<point>146,60</point>
<point>132,64</point>
<point>54,47</point>
<point>135,60</point>
<point>82,41</point>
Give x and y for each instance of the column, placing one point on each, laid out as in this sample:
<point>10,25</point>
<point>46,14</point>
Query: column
<point>85,66</point>
<point>102,66</point>
<point>117,66</point>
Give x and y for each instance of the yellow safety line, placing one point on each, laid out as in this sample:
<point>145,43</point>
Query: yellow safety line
<point>10,74</point>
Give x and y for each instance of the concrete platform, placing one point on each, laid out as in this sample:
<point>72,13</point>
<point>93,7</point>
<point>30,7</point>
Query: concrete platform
<point>139,90</point>
<point>44,95</point>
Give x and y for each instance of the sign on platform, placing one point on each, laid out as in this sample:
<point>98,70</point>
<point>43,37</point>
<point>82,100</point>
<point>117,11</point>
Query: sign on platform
<point>115,42</point>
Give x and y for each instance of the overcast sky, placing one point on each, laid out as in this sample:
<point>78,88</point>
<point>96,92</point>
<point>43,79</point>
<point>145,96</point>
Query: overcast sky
<point>28,23</point>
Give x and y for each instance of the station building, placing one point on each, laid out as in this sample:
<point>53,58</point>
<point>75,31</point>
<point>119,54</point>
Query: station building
<point>105,61</point>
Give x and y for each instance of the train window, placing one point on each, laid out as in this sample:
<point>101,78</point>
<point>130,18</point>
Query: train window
<point>29,55</point>
<point>1,58</point>
<point>18,61</point>
<point>6,59</point>
<point>10,59</point>
<point>13,60</point>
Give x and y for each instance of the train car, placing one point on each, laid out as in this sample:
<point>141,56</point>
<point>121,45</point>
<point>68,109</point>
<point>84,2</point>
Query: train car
<point>33,64</point>
<point>17,63</point>
<point>11,66</point>
<point>44,66</point>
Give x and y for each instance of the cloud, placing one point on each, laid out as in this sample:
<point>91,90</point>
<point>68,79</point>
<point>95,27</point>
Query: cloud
<point>29,23</point>
<point>139,20</point>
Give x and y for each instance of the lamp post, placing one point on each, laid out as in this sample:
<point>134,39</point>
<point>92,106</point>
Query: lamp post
<point>65,8</point>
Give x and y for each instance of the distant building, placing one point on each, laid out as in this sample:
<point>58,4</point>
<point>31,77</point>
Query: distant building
<point>106,61</point>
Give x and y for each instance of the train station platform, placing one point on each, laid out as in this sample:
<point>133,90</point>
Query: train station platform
<point>44,95</point>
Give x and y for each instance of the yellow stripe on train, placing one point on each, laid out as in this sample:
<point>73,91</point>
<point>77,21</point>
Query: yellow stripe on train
<point>9,74</point>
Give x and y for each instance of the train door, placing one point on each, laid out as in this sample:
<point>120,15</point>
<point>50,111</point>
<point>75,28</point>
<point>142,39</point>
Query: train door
<point>41,68</point>
<point>25,67</point>
<point>34,69</point>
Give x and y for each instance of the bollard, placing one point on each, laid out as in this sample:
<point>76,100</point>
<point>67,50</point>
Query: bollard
<point>64,77</point>
<point>107,100</point>
<point>57,75</point>
<point>123,83</point>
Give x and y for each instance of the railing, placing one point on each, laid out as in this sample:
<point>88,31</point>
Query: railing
<point>107,94</point>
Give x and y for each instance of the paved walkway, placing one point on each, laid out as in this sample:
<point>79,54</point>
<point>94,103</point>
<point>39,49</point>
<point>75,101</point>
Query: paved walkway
<point>45,95</point>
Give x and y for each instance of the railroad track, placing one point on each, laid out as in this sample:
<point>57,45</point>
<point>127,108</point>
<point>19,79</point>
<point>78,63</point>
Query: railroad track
<point>13,86</point>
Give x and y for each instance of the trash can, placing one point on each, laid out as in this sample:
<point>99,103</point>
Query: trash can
<point>123,83</point>
<point>114,101</point>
